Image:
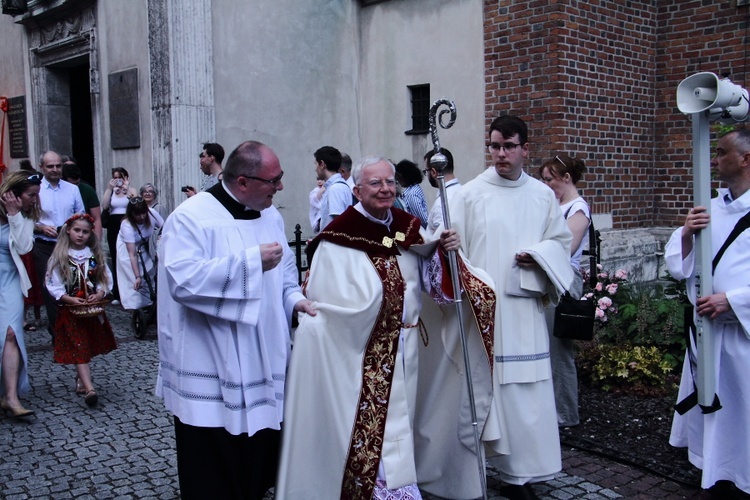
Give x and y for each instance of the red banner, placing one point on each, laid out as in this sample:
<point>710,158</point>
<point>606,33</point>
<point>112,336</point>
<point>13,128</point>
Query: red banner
<point>4,108</point>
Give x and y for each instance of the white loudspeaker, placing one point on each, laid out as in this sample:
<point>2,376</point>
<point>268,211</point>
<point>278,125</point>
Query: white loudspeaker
<point>705,91</point>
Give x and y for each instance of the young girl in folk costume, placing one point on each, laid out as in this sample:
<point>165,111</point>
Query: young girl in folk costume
<point>77,275</point>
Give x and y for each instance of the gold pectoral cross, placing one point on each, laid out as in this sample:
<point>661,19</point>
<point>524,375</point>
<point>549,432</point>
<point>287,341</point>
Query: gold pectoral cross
<point>388,242</point>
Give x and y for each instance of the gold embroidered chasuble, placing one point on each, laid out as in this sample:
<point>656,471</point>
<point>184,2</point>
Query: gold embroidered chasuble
<point>352,379</point>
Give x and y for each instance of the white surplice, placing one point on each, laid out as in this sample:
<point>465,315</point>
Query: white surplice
<point>223,322</point>
<point>719,442</point>
<point>496,219</point>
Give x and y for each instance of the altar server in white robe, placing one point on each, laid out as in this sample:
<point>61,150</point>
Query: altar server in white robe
<point>719,442</point>
<point>352,380</point>
<point>511,226</point>
<point>227,290</point>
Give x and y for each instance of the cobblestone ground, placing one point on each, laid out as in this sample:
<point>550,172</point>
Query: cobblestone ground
<point>124,447</point>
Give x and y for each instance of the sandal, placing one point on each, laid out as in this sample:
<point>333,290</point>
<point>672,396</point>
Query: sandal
<point>91,398</point>
<point>80,390</point>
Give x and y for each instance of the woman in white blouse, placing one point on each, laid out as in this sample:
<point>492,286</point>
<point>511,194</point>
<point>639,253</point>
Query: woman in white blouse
<point>134,270</point>
<point>561,174</point>
<point>114,202</point>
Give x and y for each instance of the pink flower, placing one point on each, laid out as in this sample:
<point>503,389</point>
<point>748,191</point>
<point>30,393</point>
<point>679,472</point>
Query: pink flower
<point>588,295</point>
<point>621,274</point>
<point>600,315</point>
<point>598,287</point>
<point>604,303</point>
<point>612,288</point>
<point>602,276</point>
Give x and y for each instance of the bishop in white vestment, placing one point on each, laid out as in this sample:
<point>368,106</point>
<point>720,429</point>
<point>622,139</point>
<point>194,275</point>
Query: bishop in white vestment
<point>353,377</point>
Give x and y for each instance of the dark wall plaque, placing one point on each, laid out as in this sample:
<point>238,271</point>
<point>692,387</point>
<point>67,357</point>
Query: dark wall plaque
<point>124,121</point>
<point>19,139</point>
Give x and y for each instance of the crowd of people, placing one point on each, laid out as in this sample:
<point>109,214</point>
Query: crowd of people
<point>370,389</point>
<point>51,243</point>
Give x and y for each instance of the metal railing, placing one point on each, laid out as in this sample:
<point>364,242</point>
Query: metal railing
<point>298,245</point>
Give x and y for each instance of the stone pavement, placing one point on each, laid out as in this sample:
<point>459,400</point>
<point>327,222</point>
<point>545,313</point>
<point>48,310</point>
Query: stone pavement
<point>124,447</point>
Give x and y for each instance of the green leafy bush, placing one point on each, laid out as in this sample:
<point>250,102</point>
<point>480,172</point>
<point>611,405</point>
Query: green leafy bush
<point>647,316</point>
<point>643,344</point>
<point>616,366</point>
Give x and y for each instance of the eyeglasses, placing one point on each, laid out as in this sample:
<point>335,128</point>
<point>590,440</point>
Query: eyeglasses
<point>135,200</point>
<point>35,178</point>
<point>147,191</point>
<point>376,184</point>
<point>508,147</point>
<point>273,182</point>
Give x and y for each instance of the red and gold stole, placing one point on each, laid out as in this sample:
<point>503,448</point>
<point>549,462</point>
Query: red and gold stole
<point>378,365</point>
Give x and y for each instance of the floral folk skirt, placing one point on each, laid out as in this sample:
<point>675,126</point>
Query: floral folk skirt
<point>77,339</point>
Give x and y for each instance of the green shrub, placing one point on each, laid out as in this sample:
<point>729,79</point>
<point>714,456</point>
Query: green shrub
<point>624,366</point>
<point>641,344</point>
<point>647,316</point>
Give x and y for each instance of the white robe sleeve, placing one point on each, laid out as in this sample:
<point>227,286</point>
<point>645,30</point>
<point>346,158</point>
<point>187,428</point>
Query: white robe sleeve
<point>55,284</point>
<point>678,267</point>
<point>292,291</point>
<point>21,233</point>
<point>739,300</point>
<point>233,285</point>
<point>110,281</point>
<point>228,287</point>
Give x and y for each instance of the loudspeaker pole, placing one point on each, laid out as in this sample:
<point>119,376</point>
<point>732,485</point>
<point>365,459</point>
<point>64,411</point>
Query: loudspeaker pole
<point>706,377</point>
<point>706,98</point>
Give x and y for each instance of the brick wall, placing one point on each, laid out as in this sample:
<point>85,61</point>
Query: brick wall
<point>597,80</point>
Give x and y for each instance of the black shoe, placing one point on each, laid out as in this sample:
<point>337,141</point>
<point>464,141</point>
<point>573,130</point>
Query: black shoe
<point>724,490</point>
<point>518,492</point>
<point>91,398</point>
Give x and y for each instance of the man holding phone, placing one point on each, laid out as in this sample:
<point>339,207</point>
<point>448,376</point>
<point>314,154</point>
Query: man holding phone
<point>210,163</point>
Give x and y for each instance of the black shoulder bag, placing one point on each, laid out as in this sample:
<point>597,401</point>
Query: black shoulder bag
<point>574,318</point>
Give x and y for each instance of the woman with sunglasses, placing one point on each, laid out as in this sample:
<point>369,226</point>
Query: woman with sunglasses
<point>561,174</point>
<point>19,209</point>
<point>114,202</point>
<point>135,264</point>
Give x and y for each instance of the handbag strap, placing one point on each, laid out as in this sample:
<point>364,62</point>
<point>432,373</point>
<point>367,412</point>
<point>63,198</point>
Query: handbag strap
<point>593,279</point>
<point>741,225</point>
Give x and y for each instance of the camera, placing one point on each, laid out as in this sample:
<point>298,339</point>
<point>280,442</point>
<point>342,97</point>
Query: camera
<point>186,188</point>
<point>118,183</point>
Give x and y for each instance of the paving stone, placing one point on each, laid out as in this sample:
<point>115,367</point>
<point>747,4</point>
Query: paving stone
<point>589,487</point>
<point>124,447</point>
